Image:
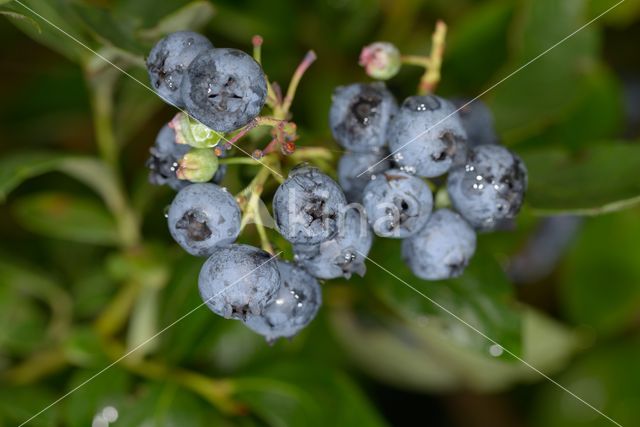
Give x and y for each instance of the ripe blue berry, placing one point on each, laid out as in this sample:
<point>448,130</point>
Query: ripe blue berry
<point>397,204</point>
<point>489,187</point>
<point>292,308</point>
<point>224,89</point>
<point>442,249</point>
<point>168,61</point>
<point>238,280</point>
<point>477,121</point>
<point>307,205</point>
<point>163,162</point>
<point>359,116</point>
<point>426,136</point>
<point>203,217</point>
<point>356,169</point>
<point>344,254</point>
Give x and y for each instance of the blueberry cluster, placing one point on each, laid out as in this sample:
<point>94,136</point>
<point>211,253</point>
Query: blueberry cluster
<point>382,186</point>
<point>427,137</point>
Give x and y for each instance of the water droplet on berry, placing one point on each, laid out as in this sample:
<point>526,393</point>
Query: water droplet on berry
<point>165,211</point>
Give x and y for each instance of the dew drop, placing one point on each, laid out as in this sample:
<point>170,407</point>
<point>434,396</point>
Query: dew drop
<point>110,414</point>
<point>496,350</point>
<point>165,211</point>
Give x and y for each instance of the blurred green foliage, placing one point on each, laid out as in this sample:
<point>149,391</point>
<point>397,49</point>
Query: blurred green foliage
<point>88,272</point>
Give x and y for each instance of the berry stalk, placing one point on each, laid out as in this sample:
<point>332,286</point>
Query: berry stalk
<point>431,77</point>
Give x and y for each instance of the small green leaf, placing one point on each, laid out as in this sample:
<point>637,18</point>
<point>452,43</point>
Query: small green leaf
<point>98,176</point>
<point>601,279</point>
<point>287,393</point>
<point>59,27</point>
<point>16,15</point>
<point>192,16</point>
<point>65,217</point>
<point>280,403</point>
<point>96,391</point>
<point>167,405</point>
<point>16,168</point>
<point>117,31</point>
<point>602,178</point>
<point>22,321</point>
<point>18,404</point>
<point>27,281</point>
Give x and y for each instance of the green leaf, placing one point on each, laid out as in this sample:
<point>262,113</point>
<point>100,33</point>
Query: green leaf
<point>18,404</point>
<point>288,393</point>
<point>477,47</point>
<point>545,89</point>
<point>95,391</point>
<point>135,105</point>
<point>64,216</point>
<point>22,280</point>
<point>622,15</point>
<point>601,280</point>
<point>23,323</point>
<point>167,405</point>
<point>106,27</point>
<point>606,378</point>
<point>192,16</point>
<point>59,27</point>
<point>19,16</point>
<point>279,403</point>
<point>481,297</point>
<point>98,176</point>
<point>424,354</point>
<point>595,117</point>
<point>16,168</point>
<point>602,178</point>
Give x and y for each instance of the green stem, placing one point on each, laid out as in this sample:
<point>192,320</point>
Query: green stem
<point>37,366</point>
<point>309,58</point>
<point>102,102</point>
<point>420,61</point>
<point>115,315</point>
<point>216,391</point>
<point>256,41</point>
<point>102,88</point>
<point>431,77</point>
<point>239,161</point>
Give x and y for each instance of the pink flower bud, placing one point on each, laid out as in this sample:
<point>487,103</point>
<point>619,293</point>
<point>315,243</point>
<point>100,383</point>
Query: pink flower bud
<point>381,60</point>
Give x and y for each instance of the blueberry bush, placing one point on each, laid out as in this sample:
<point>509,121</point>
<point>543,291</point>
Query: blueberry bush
<point>343,212</point>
